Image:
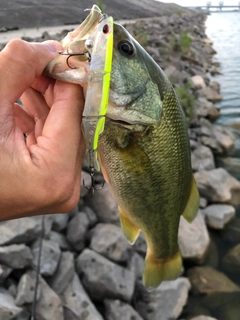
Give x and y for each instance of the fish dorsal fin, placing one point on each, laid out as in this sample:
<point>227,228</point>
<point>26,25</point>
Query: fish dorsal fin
<point>192,205</point>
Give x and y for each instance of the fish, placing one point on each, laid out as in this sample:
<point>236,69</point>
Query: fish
<point>144,152</point>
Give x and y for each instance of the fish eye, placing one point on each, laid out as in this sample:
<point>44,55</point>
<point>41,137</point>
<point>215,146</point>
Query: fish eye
<point>126,48</point>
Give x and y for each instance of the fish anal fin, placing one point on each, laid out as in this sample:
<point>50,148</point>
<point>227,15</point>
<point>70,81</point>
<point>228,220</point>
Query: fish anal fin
<point>192,205</point>
<point>129,229</point>
<point>158,270</point>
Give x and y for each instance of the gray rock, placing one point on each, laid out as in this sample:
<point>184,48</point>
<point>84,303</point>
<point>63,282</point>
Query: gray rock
<point>217,215</point>
<point>16,256</point>
<point>64,273</point>
<point>223,138</point>
<point>165,302</point>
<point>4,272</point>
<point>77,304</point>
<point>92,217</point>
<point>232,165</point>
<point>77,230</point>
<point>116,309</point>
<point>207,109</point>
<point>8,308</point>
<point>24,315</point>
<point>61,240</point>
<point>140,245</point>
<point>231,261</point>
<point>26,286</point>
<point>49,306</point>
<point>231,232</point>
<point>210,94</point>
<point>104,205</point>
<point>202,159</point>
<point>60,221</point>
<point>208,137</point>
<point>103,278</point>
<point>203,203</point>
<point>198,82</point>
<point>215,86</point>
<point>50,256</point>
<point>218,186</point>
<point>23,230</point>
<point>203,318</point>
<point>108,240</point>
<point>136,265</point>
<point>193,238</point>
<point>207,280</point>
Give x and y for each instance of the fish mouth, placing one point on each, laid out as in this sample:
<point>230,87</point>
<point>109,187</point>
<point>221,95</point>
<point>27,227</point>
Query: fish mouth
<point>72,65</point>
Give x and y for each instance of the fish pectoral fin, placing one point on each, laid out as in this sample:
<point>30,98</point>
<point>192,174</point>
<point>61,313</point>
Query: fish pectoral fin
<point>192,205</point>
<point>158,270</point>
<point>129,229</point>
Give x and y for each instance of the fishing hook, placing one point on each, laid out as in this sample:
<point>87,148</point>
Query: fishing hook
<point>80,53</point>
<point>93,185</point>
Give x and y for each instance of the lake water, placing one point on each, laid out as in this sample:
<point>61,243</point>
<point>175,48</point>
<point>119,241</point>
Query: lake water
<point>223,28</point>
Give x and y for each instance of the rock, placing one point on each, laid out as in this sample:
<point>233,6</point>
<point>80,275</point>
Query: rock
<point>8,308</point>
<point>165,302</point>
<point>207,280</point>
<point>202,159</point>
<point>218,186</point>
<point>193,238</point>
<point>217,215</point>
<point>215,86</point>
<point>140,245</point>
<point>24,315</point>
<point>77,230</point>
<point>50,256</point>
<point>104,279</point>
<point>207,109</point>
<point>116,309</point>
<point>49,305</point>
<point>232,165</point>
<point>60,239</point>
<point>16,256</point>
<point>92,217</point>
<point>109,240</point>
<point>231,261</point>
<point>23,230</point>
<point>4,272</point>
<point>208,137</point>
<point>210,94</point>
<point>203,203</point>
<point>176,76</point>
<point>215,71</point>
<point>136,265</point>
<point>231,233</point>
<point>64,273</point>
<point>77,304</point>
<point>26,286</point>
<point>203,318</point>
<point>104,205</point>
<point>198,82</point>
<point>223,138</point>
<point>60,221</point>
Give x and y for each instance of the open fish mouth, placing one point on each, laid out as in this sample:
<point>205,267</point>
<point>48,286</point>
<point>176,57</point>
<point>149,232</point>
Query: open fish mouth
<point>72,64</point>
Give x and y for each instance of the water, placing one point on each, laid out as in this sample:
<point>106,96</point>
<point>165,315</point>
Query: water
<point>224,30</point>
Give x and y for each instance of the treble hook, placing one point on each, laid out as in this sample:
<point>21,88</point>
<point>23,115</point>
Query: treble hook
<point>80,53</point>
<point>93,185</point>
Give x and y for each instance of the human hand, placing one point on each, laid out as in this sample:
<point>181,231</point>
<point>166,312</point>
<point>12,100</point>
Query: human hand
<point>42,175</point>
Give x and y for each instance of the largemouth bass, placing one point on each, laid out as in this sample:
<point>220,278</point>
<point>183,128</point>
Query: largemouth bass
<point>144,150</point>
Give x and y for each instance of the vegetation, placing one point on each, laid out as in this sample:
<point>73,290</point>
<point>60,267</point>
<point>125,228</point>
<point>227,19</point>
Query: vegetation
<point>185,42</point>
<point>186,99</point>
<point>101,6</point>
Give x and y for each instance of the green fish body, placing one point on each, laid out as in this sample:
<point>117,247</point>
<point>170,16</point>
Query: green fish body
<point>148,166</point>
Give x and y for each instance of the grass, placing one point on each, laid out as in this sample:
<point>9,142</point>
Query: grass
<point>181,43</point>
<point>101,6</point>
<point>141,35</point>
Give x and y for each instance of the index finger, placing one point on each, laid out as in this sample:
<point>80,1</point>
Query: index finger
<point>20,63</point>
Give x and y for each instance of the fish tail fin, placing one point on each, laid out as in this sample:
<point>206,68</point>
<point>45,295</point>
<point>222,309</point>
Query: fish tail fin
<point>192,205</point>
<point>158,270</point>
<point>129,229</point>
